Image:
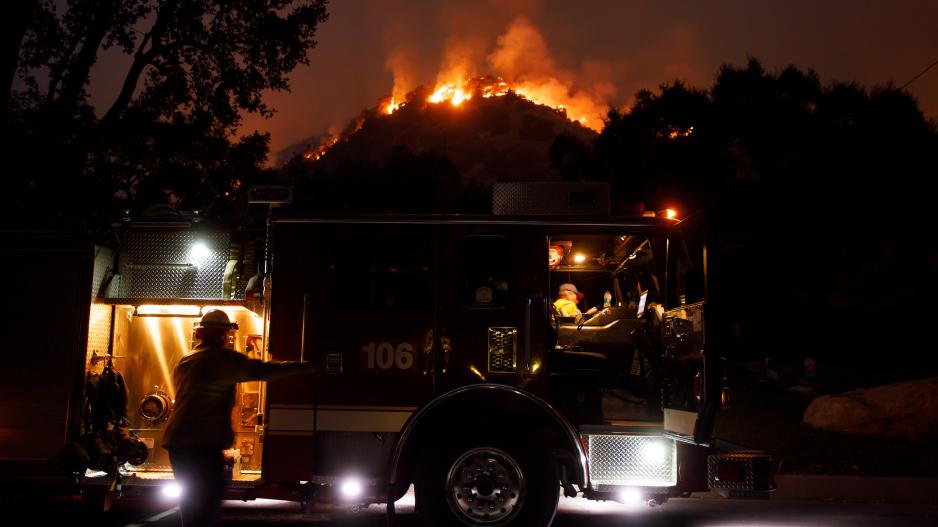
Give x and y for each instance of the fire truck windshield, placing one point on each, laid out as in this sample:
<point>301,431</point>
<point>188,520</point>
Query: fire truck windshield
<point>610,272</point>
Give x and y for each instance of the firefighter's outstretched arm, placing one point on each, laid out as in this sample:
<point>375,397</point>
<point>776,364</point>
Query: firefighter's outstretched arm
<point>257,370</point>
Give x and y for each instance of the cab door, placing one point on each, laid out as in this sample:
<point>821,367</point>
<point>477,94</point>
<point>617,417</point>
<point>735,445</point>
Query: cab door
<point>492,305</point>
<point>373,329</point>
<point>357,298</point>
<point>689,340</point>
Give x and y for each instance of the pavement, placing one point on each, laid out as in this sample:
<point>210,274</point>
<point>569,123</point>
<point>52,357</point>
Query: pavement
<point>856,488</point>
<point>809,487</point>
<point>821,490</point>
<point>861,489</point>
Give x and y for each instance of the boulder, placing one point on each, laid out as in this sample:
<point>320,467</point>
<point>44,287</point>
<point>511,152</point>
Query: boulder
<point>907,410</point>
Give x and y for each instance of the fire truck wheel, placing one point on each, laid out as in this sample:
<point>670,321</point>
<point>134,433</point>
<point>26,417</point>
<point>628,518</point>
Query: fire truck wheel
<point>488,483</point>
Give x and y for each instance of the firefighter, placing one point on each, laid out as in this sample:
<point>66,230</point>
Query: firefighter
<point>567,299</point>
<point>199,429</point>
<point>566,304</point>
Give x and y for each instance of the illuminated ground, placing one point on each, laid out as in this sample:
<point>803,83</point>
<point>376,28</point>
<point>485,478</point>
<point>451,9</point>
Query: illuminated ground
<point>693,512</point>
<point>699,511</point>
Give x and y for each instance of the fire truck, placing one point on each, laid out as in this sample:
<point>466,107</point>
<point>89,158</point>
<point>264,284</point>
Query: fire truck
<point>446,366</point>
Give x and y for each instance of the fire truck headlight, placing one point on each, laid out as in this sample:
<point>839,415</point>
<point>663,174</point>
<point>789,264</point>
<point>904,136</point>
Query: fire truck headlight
<point>654,453</point>
<point>198,253</point>
<point>172,490</point>
<point>630,496</point>
<point>351,488</point>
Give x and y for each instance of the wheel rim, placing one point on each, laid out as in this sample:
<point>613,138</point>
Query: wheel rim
<point>485,486</point>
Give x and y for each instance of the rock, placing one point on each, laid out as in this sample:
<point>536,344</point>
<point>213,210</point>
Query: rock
<point>907,410</point>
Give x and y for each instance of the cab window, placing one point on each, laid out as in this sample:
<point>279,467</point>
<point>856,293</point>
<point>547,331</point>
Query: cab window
<point>621,265</point>
<point>688,284</point>
<point>387,271</point>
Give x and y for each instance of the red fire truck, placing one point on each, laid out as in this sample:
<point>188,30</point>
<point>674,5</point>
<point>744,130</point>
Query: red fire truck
<point>446,365</point>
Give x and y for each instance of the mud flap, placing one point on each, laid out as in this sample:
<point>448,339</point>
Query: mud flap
<point>742,474</point>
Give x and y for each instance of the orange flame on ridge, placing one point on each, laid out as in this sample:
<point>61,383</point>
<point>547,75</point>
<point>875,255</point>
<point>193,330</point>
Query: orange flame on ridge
<point>486,87</point>
<point>457,93</point>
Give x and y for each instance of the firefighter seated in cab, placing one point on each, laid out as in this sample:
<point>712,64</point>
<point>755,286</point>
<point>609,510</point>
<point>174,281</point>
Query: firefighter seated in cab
<point>566,304</point>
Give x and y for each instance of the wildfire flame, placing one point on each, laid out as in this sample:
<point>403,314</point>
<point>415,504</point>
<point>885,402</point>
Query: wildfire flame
<point>316,154</point>
<point>485,87</point>
<point>456,93</point>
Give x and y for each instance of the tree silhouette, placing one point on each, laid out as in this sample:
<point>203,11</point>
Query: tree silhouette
<point>408,183</point>
<point>819,191</point>
<point>191,73</point>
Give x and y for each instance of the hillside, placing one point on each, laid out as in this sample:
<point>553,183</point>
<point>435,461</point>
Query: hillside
<point>504,138</point>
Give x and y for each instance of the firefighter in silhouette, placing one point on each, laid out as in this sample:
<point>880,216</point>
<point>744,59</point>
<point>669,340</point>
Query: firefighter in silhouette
<point>199,429</point>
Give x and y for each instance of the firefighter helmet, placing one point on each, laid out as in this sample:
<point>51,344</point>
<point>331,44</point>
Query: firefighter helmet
<point>572,288</point>
<point>216,319</point>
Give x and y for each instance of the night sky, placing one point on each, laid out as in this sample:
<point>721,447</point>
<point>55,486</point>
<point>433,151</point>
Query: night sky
<point>601,50</point>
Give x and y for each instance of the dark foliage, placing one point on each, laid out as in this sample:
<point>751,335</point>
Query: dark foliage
<point>820,195</point>
<point>408,183</point>
<point>166,142</point>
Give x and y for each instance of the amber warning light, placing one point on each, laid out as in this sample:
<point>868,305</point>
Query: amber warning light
<point>670,214</point>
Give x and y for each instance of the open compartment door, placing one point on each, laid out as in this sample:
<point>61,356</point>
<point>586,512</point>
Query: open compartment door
<point>691,380</point>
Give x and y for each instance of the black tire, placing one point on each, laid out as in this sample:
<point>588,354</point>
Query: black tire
<point>528,497</point>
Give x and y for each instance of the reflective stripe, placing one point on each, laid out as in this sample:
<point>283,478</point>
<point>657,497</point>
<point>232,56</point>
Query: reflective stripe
<point>352,419</point>
<point>292,419</point>
<point>360,421</point>
<point>567,308</point>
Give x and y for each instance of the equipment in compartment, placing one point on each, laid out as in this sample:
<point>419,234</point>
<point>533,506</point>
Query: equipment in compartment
<point>154,338</point>
<point>155,406</point>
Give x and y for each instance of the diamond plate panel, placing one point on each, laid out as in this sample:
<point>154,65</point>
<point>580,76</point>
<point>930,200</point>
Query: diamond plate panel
<point>103,260</point>
<point>749,462</point>
<point>550,198</point>
<point>99,320</point>
<point>161,264</point>
<point>502,345</point>
<point>648,461</point>
<point>99,329</point>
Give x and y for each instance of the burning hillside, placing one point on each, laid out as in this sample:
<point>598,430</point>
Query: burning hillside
<point>498,126</point>
<point>486,129</point>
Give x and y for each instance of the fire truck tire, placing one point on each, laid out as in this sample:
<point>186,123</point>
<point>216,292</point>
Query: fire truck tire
<point>490,483</point>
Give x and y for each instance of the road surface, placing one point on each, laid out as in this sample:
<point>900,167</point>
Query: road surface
<point>690,512</point>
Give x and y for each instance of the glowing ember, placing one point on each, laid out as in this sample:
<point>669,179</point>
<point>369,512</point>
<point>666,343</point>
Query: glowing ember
<point>677,133</point>
<point>316,154</point>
